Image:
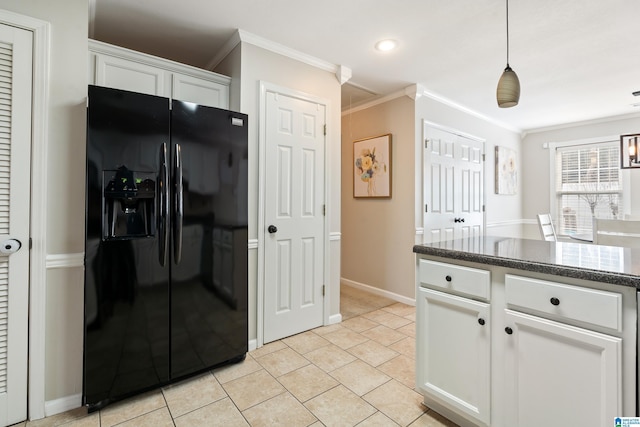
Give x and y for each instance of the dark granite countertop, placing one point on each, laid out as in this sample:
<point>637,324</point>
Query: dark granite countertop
<point>608,264</point>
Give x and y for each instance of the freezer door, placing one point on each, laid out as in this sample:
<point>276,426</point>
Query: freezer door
<point>126,286</point>
<point>209,250</point>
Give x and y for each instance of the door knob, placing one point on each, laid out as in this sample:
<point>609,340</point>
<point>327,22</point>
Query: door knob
<point>10,246</point>
<point>272,229</point>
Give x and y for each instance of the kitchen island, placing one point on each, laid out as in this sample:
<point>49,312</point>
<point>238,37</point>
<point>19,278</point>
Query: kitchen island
<point>518,332</point>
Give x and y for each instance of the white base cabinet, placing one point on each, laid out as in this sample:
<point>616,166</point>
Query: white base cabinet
<point>120,68</point>
<point>454,347</point>
<point>556,374</point>
<point>526,349</point>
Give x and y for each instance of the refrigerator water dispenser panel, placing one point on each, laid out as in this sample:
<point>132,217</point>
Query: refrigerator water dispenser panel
<point>129,204</point>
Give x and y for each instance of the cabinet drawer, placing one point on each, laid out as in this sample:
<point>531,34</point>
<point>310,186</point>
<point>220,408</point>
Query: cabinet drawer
<point>455,278</point>
<point>565,302</point>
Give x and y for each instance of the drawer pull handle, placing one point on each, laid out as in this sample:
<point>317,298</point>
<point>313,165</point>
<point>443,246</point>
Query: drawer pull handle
<point>481,321</point>
<point>555,301</point>
<point>508,330</point>
<point>448,278</point>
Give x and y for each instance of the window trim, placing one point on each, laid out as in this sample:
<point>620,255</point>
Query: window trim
<point>624,174</point>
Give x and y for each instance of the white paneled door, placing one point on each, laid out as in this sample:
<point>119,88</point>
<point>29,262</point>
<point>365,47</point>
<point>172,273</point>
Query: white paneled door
<point>15,147</point>
<point>453,186</point>
<point>294,217</point>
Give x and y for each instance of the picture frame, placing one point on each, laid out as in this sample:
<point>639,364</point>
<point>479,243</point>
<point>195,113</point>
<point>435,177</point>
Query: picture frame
<point>372,167</point>
<point>506,176</point>
<point>629,146</point>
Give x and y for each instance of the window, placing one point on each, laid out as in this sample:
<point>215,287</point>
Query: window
<point>587,184</point>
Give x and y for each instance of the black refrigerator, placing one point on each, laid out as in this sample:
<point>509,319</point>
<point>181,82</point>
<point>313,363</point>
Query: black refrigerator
<point>166,242</point>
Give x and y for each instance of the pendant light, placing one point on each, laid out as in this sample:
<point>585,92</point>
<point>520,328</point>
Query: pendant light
<point>508,92</point>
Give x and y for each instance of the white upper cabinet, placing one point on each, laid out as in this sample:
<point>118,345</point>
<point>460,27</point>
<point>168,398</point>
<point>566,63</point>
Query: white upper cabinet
<point>120,68</point>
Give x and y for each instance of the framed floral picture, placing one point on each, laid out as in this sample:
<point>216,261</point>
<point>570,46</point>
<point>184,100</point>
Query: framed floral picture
<point>506,171</point>
<point>372,167</point>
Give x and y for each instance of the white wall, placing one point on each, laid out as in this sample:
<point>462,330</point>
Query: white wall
<point>66,177</point>
<point>536,172</point>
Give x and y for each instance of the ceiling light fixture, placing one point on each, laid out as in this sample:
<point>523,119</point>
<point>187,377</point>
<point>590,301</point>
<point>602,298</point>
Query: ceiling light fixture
<point>386,45</point>
<point>508,91</point>
<point>636,93</point>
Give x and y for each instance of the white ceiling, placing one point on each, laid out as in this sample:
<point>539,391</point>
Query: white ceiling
<point>576,59</point>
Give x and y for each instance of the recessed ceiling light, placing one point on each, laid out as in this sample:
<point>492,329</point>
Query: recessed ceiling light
<point>386,45</point>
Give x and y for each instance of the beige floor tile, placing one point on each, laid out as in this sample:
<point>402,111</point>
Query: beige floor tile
<point>59,419</point>
<point>409,329</point>
<point>432,419</point>
<point>359,324</point>
<point>91,420</point>
<point>378,420</point>
<point>282,410</point>
<point>305,342</point>
<point>253,389</point>
<point>345,338</point>
<point>383,335</point>
<point>339,407</point>
<point>282,362</point>
<point>405,406</point>
<point>307,382</point>
<point>372,352</point>
<point>158,418</point>
<point>359,377</point>
<point>406,346</point>
<point>400,309</point>
<point>411,317</point>
<point>324,330</point>
<point>329,358</point>
<point>236,370</point>
<point>132,408</point>
<point>220,413</point>
<point>387,319</point>
<point>402,368</point>
<point>267,348</point>
<point>192,394</point>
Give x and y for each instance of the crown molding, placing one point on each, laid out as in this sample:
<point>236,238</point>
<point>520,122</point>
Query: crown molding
<point>247,37</point>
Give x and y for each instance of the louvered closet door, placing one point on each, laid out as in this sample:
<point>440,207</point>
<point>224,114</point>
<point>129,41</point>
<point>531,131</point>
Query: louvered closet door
<point>15,145</point>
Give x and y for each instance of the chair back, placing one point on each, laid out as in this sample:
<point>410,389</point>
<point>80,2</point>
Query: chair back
<point>547,230</point>
<point>616,232</point>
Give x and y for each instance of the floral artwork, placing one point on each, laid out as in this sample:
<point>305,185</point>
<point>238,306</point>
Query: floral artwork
<point>372,168</point>
<point>506,171</point>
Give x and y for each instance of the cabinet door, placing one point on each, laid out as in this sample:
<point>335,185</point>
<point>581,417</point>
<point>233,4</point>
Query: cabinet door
<point>561,375</point>
<point>453,350</point>
<point>123,74</point>
<point>200,91</point>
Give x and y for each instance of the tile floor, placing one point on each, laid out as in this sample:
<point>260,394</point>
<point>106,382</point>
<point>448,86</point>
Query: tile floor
<point>356,373</point>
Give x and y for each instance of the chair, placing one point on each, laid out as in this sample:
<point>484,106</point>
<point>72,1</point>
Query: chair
<point>547,230</point>
<point>616,232</point>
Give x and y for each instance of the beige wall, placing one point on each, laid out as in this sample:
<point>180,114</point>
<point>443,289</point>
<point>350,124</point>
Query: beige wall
<point>378,234</point>
<point>66,166</point>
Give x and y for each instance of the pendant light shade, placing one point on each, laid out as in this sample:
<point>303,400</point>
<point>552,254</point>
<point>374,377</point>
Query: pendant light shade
<point>508,91</point>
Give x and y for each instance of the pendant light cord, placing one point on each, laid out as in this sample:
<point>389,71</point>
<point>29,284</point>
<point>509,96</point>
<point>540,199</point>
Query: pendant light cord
<point>507,32</point>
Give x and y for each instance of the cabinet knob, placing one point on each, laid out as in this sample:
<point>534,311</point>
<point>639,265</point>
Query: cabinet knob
<point>272,229</point>
<point>481,321</point>
<point>508,330</point>
<point>555,301</point>
<point>448,278</point>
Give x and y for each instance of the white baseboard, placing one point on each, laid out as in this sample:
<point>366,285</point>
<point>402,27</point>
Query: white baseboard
<point>64,404</point>
<point>336,318</point>
<point>253,344</point>
<point>378,291</point>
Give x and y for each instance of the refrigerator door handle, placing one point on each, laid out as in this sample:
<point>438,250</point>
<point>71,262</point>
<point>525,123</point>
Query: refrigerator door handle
<point>163,206</point>
<point>179,206</point>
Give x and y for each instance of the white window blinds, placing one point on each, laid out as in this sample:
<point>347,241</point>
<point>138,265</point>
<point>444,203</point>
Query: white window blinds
<point>588,184</point>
